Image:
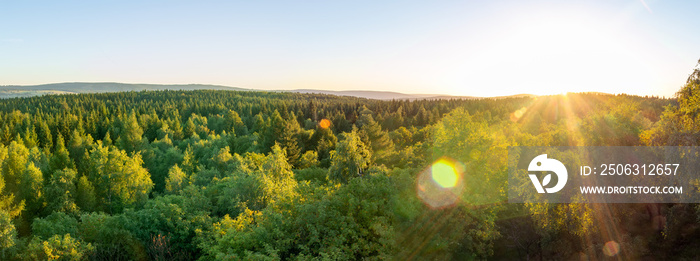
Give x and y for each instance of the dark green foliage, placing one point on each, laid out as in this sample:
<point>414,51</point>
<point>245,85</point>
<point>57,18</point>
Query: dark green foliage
<point>289,142</point>
<point>58,223</point>
<point>312,174</point>
<point>85,196</point>
<point>159,158</point>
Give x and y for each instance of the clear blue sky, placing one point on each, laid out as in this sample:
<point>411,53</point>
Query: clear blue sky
<point>479,48</point>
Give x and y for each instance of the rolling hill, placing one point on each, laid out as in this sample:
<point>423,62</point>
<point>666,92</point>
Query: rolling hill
<point>13,91</point>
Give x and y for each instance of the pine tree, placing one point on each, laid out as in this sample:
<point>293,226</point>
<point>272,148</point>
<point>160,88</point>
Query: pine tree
<point>274,133</point>
<point>189,163</point>
<point>289,141</point>
<point>60,158</point>
<point>234,124</point>
<point>85,195</point>
<point>131,134</point>
<point>44,135</point>
<point>189,129</point>
<point>30,137</point>
<point>107,141</point>
<point>377,139</point>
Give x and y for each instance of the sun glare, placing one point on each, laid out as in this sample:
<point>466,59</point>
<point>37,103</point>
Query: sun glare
<point>556,53</point>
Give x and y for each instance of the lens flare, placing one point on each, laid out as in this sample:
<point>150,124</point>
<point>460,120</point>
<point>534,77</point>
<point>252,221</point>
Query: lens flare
<point>444,174</point>
<point>515,116</point>
<point>440,185</point>
<point>611,248</point>
<point>324,123</point>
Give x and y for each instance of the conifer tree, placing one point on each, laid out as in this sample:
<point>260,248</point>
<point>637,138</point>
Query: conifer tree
<point>60,158</point>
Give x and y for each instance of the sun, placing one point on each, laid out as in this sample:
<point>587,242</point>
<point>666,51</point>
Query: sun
<point>552,52</point>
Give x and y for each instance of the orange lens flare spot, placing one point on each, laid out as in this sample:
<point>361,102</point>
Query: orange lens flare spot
<point>324,123</point>
<point>516,115</point>
<point>611,248</point>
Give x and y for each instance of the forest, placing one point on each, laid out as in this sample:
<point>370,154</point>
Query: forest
<point>243,175</point>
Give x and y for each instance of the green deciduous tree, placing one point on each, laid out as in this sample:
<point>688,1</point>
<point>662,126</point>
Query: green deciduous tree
<point>158,158</point>
<point>678,125</point>
<point>308,160</point>
<point>120,181</point>
<point>57,223</point>
<point>349,159</point>
<point>60,192</point>
<point>277,178</point>
<point>14,165</point>
<point>30,190</point>
<point>176,181</point>
<point>338,224</point>
<point>57,247</point>
<point>8,234</point>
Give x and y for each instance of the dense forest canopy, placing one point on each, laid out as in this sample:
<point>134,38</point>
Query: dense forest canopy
<point>229,175</point>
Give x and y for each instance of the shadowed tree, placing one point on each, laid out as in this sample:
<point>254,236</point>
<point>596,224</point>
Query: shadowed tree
<point>289,141</point>
<point>377,139</point>
<point>85,195</point>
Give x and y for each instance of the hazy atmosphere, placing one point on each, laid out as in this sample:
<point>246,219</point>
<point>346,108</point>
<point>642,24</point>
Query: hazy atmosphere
<point>355,130</point>
<point>450,47</point>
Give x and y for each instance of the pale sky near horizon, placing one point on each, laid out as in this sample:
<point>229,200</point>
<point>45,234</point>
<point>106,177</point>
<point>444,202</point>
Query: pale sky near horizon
<point>474,48</point>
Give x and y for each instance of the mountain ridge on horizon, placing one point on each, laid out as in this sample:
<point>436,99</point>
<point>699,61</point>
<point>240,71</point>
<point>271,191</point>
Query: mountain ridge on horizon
<point>12,91</point>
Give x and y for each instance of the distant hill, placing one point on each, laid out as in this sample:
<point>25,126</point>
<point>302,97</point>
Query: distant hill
<point>379,95</point>
<point>382,95</point>
<point>12,91</point>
